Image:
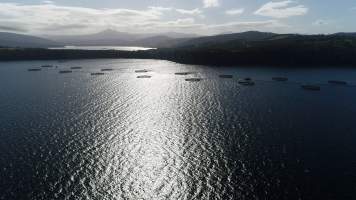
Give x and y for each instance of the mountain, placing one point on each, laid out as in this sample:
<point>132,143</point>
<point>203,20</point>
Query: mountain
<point>211,40</point>
<point>345,34</point>
<point>226,50</point>
<point>159,41</point>
<point>256,40</point>
<point>115,38</point>
<point>179,35</point>
<point>19,40</point>
<point>105,38</point>
<point>268,49</point>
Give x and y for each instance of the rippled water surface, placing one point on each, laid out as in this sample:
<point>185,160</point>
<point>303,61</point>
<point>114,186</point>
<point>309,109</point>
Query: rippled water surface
<point>114,136</point>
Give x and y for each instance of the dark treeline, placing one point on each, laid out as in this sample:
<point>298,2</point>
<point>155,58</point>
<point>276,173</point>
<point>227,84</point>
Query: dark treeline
<point>280,50</point>
<point>11,54</point>
<point>287,50</point>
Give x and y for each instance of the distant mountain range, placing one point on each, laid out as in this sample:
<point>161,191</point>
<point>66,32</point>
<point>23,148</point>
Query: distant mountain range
<point>164,40</point>
<point>104,38</point>
<point>19,40</point>
<point>261,40</point>
<point>346,34</point>
<point>248,48</point>
<point>114,38</point>
<point>224,38</point>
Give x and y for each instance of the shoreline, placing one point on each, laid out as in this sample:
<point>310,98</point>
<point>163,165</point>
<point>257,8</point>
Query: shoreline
<point>192,57</point>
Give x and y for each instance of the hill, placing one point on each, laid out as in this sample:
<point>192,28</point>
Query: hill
<point>115,38</point>
<point>279,49</point>
<point>345,34</point>
<point>159,41</point>
<point>249,48</point>
<point>218,39</point>
<point>104,38</point>
<point>20,40</point>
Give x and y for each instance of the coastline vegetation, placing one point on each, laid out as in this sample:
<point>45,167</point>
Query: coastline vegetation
<point>291,50</point>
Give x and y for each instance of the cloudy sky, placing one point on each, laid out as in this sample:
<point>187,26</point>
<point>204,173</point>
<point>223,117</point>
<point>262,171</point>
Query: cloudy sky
<point>203,17</point>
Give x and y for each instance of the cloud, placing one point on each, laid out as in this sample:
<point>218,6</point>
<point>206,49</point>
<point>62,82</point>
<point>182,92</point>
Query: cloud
<point>47,19</point>
<point>196,11</point>
<point>67,27</point>
<point>281,9</point>
<point>250,25</point>
<point>235,11</point>
<point>160,9</point>
<point>39,18</point>
<point>211,3</point>
<point>193,12</point>
<point>48,2</point>
<point>189,25</point>
<point>241,26</point>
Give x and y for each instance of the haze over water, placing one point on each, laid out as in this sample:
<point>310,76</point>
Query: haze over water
<point>77,136</point>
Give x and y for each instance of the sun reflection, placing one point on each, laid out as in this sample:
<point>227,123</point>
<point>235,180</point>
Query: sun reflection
<point>150,151</point>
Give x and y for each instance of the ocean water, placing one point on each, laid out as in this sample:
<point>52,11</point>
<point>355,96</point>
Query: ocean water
<point>114,136</point>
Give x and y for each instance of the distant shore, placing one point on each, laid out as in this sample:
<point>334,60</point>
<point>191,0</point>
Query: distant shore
<point>117,48</point>
<point>248,48</point>
<point>278,57</point>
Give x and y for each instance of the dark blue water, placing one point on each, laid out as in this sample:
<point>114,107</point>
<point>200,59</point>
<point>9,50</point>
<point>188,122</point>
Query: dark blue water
<point>77,136</point>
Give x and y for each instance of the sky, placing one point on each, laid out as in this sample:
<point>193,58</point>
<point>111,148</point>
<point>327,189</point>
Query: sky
<point>203,17</point>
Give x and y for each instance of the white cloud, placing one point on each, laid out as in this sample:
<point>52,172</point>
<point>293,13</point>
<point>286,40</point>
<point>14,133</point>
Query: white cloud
<point>240,26</point>
<point>161,9</point>
<point>196,11</point>
<point>48,2</point>
<point>281,9</point>
<point>189,25</point>
<point>211,3</point>
<point>235,11</point>
<point>54,19</point>
<point>250,25</point>
<point>57,19</point>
